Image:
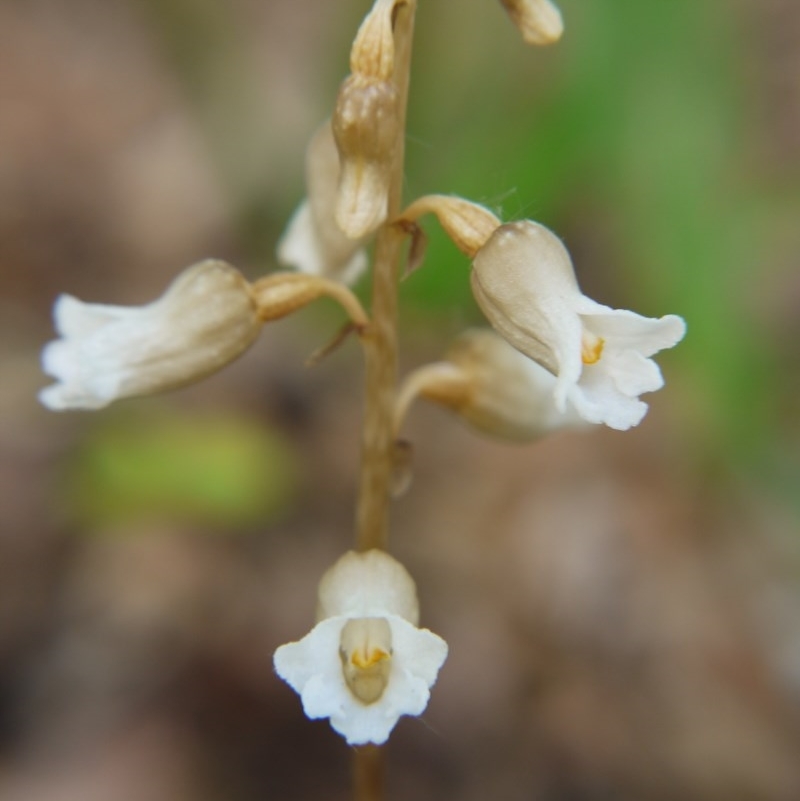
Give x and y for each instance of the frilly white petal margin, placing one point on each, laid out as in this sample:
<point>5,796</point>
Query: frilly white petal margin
<point>608,390</point>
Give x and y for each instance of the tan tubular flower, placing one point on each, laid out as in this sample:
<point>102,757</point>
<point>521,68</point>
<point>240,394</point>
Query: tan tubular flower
<point>468,224</point>
<point>523,280</point>
<point>366,663</point>
<point>204,320</point>
<point>313,242</point>
<point>492,387</point>
<point>366,125</point>
<point>207,317</point>
<point>539,21</point>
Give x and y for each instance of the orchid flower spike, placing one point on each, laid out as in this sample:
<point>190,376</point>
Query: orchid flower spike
<point>492,387</point>
<point>204,320</point>
<point>365,663</point>
<point>524,282</point>
<point>313,242</point>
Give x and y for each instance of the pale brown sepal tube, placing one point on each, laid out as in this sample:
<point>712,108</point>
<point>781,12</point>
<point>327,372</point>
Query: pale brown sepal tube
<point>372,54</point>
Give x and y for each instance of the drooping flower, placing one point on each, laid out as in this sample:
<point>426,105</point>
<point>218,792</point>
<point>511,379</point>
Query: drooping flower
<point>313,242</point>
<point>205,319</point>
<point>365,663</point>
<point>492,387</point>
<point>524,282</point>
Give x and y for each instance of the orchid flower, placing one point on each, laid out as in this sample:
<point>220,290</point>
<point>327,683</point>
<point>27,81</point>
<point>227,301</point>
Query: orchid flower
<point>524,282</point>
<point>205,319</point>
<point>365,663</point>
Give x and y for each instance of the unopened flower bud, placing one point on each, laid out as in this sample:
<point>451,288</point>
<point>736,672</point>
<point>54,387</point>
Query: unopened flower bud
<point>366,125</point>
<point>492,387</point>
<point>468,224</point>
<point>313,242</point>
<point>205,319</point>
<point>539,21</point>
<point>365,663</point>
<point>523,280</point>
<point>372,54</point>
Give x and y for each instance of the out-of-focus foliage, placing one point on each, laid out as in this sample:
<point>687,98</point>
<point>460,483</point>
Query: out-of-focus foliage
<point>212,471</point>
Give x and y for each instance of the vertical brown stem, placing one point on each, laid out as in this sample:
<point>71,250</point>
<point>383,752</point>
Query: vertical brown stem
<point>372,514</point>
<point>368,773</point>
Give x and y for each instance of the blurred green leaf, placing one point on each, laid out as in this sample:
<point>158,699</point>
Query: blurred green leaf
<point>207,470</point>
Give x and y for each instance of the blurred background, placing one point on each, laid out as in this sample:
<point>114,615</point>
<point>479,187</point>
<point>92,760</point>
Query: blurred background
<point>623,610</point>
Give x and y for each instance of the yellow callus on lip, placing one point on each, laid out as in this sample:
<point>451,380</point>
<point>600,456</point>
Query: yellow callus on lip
<point>364,661</point>
<point>365,648</point>
<point>591,348</point>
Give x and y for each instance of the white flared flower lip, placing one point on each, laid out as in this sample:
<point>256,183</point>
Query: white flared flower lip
<point>607,391</point>
<point>313,668</point>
